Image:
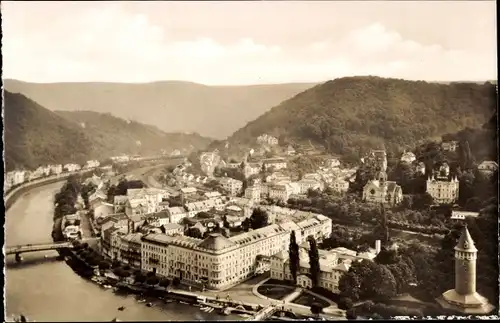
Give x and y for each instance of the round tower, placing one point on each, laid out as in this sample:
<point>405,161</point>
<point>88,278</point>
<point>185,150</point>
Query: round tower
<point>463,297</point>
<point>465,264</point>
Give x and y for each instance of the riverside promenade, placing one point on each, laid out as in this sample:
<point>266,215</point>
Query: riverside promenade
<point>246,293</point>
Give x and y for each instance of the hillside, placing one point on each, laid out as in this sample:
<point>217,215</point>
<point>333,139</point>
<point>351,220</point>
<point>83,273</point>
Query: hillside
<point>212,111</point>
<point>114,135</point>
<point>351,115</point>
<point>35,135</point>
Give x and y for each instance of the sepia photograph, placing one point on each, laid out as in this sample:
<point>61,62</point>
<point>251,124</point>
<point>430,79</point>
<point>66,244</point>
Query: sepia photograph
<point>250,160</point>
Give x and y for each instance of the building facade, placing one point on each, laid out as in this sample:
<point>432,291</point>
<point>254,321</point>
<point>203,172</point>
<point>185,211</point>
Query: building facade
<point>253,193</point>
<point>443,191</point>
<point>380,190</point>
<point>216,262</point>
<point>231,185</point>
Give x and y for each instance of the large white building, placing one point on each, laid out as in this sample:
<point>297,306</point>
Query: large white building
<point>339,185</point>
<point>216,261</point>
<point>443,191</point>
<point>177,214</point>
<point>233,186</point>
<point>280,192</point>
<point>306,184</point>
<point>16,177</point>
<point>253,193</point>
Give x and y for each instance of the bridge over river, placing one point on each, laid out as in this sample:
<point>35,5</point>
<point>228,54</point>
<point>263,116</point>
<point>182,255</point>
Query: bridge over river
<point>11,250</point>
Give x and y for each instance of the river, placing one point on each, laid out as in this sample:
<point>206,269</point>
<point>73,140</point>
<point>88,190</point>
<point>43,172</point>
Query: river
<point>45,289</point>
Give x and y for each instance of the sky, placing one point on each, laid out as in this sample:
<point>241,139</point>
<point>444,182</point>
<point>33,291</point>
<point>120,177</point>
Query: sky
<point>236,43</point>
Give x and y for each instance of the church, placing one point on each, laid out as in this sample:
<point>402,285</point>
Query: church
<point>464,297</point>
<point>380,190</point>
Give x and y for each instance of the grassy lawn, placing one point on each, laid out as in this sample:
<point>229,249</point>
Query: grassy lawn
<point>307,299</point>
<point>275,292</point>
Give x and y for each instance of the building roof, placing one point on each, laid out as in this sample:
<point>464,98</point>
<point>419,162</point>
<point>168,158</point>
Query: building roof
<point>187,190</point>
<point>488,163</point>
<point>289,226</point>
<point>216,242</point>
<point>465,243</point>
<point>283,255</point>
<point>160,215</point>
<point>173,226</point>
<point>456,214</point>
<point>176,210</point>
<point>133,237</point>
<point>229,180</point>
<point>179,240</point>
<point>233,208</point>
<point>259,234</point>
<point>212,194</point>
<point>391,186</point>
<point>120,199</point>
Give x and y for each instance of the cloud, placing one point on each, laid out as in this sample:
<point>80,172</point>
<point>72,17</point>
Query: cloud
<point>109,44</point>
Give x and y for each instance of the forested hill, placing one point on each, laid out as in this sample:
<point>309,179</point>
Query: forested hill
<point>353,114</point>
<point>36,136</point>
<point>172,106</point>
<point>115,135</point>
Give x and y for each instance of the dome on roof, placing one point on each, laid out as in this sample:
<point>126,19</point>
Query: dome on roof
<point>216,242</point>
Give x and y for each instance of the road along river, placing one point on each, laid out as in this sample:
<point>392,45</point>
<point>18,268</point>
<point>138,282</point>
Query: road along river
<point>45,289</point>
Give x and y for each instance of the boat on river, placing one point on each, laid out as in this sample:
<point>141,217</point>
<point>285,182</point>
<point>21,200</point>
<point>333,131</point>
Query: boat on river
<point>121,308</point>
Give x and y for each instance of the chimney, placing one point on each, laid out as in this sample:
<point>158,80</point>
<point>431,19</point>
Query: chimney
<point>378,246</point>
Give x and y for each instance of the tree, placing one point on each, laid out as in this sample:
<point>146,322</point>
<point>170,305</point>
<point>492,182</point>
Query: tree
<point>194,232</point>
<point>403,275</point>
<point>351,314</point>
<point>384,224</point>
<point>422,201</point>
<point>246,224</point>
<point>350,285</point>
<point>163,229</point>
<point>152,280</point>
<point>104,265</point>
<point>473,204</point>
<point>465,156</point>
<point>345,303</point>
<point>387,256</point>
<point>380,283</point>
<point>225,222</point>
<point>259,219</point>
<point>293,252</point>
<point>164,282</point>
<point>316,308</point>
<point>139,278</point>
<point>315,270</point>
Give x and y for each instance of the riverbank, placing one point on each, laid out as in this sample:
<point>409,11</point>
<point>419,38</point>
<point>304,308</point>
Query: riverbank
<point>48,290</point>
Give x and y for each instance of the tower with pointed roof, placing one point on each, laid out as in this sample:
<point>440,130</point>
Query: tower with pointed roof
<point>464,297</point>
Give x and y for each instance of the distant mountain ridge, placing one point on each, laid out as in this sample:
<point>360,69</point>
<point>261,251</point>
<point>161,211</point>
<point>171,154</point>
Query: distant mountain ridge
<point>172,106</point>
<point>36,136</point>
<point>353,114</point>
